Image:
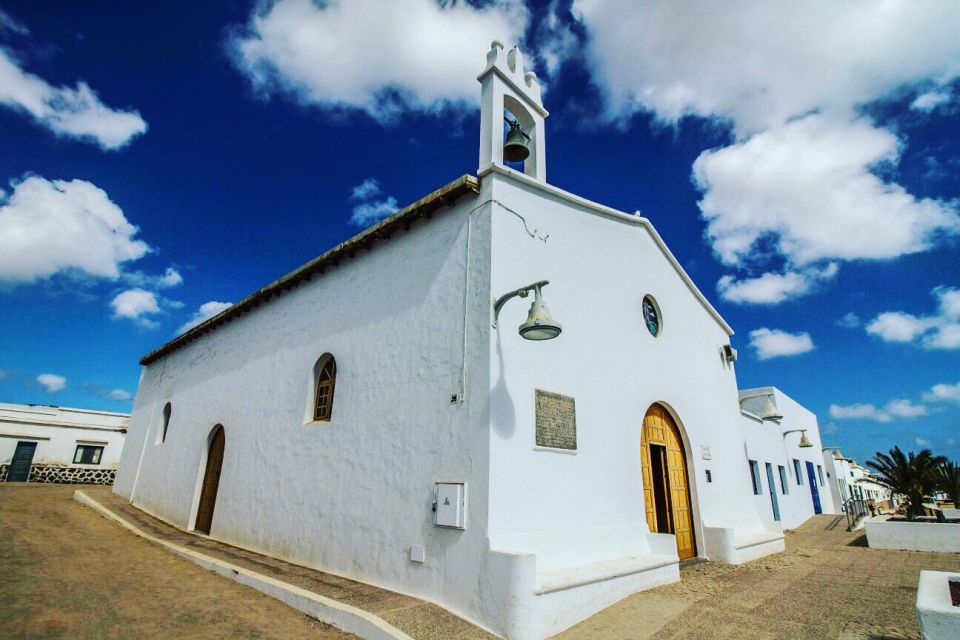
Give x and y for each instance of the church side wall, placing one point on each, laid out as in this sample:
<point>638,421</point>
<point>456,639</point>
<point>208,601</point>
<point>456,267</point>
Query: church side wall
<point>352,495</point>
<point>600,268</point>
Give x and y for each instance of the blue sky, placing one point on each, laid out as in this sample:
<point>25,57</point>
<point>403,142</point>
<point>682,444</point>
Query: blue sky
<point>159,160</point>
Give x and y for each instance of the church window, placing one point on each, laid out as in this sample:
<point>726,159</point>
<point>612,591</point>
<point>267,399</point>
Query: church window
<point>651,315</point>
<point>325,379</point>
<point>162,435</point>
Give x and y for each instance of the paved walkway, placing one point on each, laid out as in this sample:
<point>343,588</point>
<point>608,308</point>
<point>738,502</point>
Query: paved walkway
<point>826,585</point>
<point>417,618</point>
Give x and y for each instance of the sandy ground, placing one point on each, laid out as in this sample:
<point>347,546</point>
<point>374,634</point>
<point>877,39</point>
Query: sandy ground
<point>827,585</point>
<point>66,572</point>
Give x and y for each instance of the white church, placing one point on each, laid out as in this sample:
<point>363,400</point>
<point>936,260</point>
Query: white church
<point>505,399</point>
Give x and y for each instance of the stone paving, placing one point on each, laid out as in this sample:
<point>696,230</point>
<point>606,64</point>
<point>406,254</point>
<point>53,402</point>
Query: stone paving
<point>827,584</point>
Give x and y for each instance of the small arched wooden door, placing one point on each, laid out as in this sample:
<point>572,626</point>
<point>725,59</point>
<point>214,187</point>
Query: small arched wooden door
<point>211,482</point>
<point>666,486</point>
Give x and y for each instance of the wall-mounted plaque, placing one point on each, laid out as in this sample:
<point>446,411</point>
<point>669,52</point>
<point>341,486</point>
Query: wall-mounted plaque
<point>556,421</point>
<point>705,452</point>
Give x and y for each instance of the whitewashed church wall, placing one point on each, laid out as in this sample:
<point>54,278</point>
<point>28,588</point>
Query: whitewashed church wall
<point>600,268</point>
<point>350,496</point>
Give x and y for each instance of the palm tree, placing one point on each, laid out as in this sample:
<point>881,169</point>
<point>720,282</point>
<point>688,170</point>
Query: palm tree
<point>913,476</point>
<point>949,480</point>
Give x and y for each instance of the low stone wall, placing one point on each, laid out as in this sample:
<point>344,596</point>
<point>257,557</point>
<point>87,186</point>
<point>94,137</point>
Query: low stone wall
<point>61,474</point>
<point>912,536</point>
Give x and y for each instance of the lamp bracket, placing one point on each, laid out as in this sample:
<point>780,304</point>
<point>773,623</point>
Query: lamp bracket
<point>522,292</point>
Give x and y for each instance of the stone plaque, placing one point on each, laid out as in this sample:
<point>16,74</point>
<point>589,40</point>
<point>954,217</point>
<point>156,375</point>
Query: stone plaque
<point>556,421</point>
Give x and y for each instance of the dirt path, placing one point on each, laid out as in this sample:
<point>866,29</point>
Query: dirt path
<point>66,572</point>
<point>826,585</point>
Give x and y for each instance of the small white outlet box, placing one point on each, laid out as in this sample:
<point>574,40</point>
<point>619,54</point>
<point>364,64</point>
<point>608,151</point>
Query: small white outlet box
<point>418,553</point>
<point>450,508</point>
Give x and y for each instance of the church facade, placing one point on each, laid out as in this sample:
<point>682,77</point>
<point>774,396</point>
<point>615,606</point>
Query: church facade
<point>377,413</point>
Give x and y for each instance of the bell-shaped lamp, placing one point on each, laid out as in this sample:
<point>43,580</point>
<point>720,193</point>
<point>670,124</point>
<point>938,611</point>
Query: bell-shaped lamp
<point>540,325</point>
<point>804,441</point>
<point>769,410</point>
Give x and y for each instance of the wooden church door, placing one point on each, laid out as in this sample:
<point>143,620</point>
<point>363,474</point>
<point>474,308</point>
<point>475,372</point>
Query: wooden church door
<point>211,482</point>
<point>666,489</point>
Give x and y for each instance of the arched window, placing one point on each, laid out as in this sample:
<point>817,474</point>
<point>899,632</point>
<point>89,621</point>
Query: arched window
<point>166,423</point>
<point>325,379</point>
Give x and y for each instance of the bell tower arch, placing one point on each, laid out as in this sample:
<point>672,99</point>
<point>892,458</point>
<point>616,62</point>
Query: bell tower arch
<point>507,91</point>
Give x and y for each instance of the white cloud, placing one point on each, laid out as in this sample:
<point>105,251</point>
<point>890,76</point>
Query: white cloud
<point>930,100</point>
<point>370,205</point>
<point>52,382</point>
<point>773,343</point>
<point>899,408</point>
<point>378,57</point>
<point>120,394</point>
<point>206,311</point>
<point>761,64</point>
<point>943,393</point>
<point>137,305</point>
<point>922,442</point>
<point>773,288</point>
<point>74,113</point>
<point>859,412</point>
<point>850,320</point>
<point>806,188</point>
<point>938,331</point>
<point>905,409</point>
<point>59,226</point>
<point>171,278</point>
<point>789,81</point>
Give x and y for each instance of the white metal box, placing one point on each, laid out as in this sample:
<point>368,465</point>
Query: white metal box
<point>450,509</point>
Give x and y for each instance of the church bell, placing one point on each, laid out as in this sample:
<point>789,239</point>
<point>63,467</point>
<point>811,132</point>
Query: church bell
<point>515,148</point>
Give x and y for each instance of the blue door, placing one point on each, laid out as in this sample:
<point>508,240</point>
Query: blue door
<point>773,492</point>
<point>19,469</point>
<point>813,489</point>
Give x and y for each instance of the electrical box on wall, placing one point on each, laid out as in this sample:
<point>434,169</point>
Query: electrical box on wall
<point>450,505</point>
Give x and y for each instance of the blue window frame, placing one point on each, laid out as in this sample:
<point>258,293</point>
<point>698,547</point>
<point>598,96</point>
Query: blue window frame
<point>796,472</point>
<point>755,476</point>
<point>784,487</point>
<point>820,474</point>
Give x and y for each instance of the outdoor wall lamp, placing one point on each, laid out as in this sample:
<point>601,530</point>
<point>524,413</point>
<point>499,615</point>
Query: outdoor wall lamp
<point>769,410</point>
<point>804,441</point>
<point>540,325</point>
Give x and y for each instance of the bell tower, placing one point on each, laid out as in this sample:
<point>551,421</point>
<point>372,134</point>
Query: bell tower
<point>509,93</point>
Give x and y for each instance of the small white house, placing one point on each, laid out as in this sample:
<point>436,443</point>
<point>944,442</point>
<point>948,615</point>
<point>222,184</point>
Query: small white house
<point>849,480</point>
<point>391,412</point>
<point>40,443</point>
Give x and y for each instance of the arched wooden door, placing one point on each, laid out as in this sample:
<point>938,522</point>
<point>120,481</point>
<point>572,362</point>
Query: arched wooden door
<point>666,486</point>
<point>211,482</point>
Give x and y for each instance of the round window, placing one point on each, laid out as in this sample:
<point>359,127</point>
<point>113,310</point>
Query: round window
<point>651,316</point>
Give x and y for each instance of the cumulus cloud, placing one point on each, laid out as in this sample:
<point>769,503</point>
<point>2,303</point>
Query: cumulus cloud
<point>59,226</point>
<point>206,311</point>
<point>898,408</point>
<point>938,331</point>
<point>760,65</point>
<point>930,100</point>
<point>807,189</point>
<point>381,58</point>
<point>51,382</point>
<point>370,203</point>
<point>137,305</point>
<point>943,393</point>
<point>120,394</point>
<point>774,343</point>
<point>773,288</point>
<point>170,278</point>
<point>69,112</point>
<point>790,82</point>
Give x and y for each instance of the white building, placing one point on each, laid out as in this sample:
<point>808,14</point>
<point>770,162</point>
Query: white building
<point>40,443</point>
<point>849,480</point>
<point>372,415</point>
